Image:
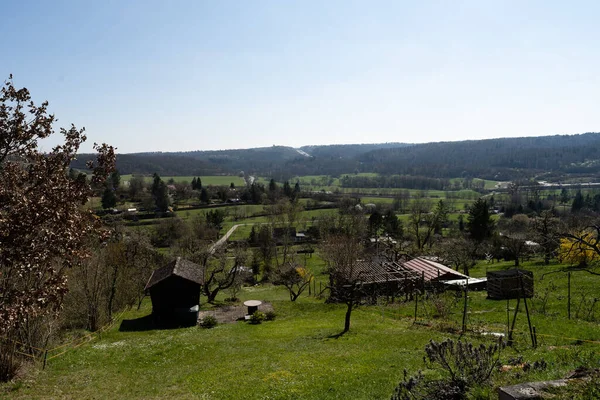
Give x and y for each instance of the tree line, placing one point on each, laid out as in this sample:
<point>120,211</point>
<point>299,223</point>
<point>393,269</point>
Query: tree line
<point>504,159</point>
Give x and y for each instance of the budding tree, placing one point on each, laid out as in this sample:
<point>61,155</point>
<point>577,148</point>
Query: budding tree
<point>43,222</point>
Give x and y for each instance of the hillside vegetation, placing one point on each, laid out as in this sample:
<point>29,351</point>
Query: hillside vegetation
<point>548,157</point>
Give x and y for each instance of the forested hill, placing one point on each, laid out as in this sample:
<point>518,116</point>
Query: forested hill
<point>500,159</point>
<point>549,157</point>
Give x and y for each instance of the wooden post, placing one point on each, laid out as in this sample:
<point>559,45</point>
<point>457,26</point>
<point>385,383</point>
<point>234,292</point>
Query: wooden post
<point>527,311</point>
<point>416,302</point>
<point>512,328</point>
<point>507,317</point>
<point>569,294</point>
<point>464,321</point>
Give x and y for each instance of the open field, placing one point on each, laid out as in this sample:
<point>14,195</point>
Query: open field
<point>298,356</point>
<point>217,180</point>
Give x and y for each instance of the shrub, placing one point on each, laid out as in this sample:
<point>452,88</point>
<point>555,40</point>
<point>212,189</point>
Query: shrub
<point>270,316</point>
<point>209,322</point>
<point>258,317</point>
<point>443,305</point>
<point>466,366</point>
<point>463,361</point>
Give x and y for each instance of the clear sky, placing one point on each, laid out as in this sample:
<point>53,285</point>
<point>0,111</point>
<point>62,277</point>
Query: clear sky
<point>197,75</point>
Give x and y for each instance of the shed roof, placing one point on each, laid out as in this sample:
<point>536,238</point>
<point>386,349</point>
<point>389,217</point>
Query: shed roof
<point>509,273</point>
<point>179,267</point>
<point>431,270</point>
<point>379,272</point>
<point>465,281</point>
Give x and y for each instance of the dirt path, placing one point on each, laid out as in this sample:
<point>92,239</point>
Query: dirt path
<point>229,314</point>
<point>221,241</point>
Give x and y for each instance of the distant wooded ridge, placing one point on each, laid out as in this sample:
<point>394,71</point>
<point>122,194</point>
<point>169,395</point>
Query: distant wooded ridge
<point>552,158</point>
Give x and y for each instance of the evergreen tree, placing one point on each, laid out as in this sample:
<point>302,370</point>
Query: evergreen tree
<point>215,218</point>
<point>479,221</point>
<point>156,181</point>
<point>252,238</point>
<point>194,183</point>
<point>375,223</point>
<point>114,180</point>
<point>564,196</point>
<point>161,197</point>
<point>296,189</point>
<point>578,202</point>
<point>204,196</point>
<point>272,185</point>
<point>273,191</point>
<point>109,200</point>
<point>287,190</point>
<point>392,226</point>
<point>256,192</point>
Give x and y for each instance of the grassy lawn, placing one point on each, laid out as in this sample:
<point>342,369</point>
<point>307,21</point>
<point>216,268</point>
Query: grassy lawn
<point>294,356</point>
<point>297,356</point>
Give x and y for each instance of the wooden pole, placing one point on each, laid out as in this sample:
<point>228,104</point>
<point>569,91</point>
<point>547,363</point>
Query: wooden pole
<point>464,321</point>
<point>569,294</point>
<point>507,317</point>
<point>527,311</point>
<point>416,302</point>
<point>512,328</point>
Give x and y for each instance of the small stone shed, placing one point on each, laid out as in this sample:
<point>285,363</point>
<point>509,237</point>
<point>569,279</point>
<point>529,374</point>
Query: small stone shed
<point>503,285</point>
<point>175,293</point>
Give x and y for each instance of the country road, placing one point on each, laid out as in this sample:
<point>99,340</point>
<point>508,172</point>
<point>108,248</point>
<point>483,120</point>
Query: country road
<point>220,242</point>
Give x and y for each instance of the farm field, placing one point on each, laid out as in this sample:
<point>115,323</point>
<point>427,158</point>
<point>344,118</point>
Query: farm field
<point>298,354</point>
<point>216,180</point>
<point>332,184</point>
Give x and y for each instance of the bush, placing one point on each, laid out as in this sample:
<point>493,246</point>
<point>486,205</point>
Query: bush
<point>443,305</point>
<point>258,317</point>
<point>270,316</point>
<point>465,365</point>
<point>209,322</point>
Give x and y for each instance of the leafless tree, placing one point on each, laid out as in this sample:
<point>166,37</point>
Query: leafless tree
<point>342,249</point>
<point>294,277</point>
<point>515,231</point>
<point>218,272</point>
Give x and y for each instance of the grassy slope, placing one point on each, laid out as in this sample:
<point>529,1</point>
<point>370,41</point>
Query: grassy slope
<point>292,357</point>
<point>296,357</point>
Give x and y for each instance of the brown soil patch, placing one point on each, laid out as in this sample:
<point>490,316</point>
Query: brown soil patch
<point>229,314</point>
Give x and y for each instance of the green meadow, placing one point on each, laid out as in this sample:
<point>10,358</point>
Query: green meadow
<point>299,356</point>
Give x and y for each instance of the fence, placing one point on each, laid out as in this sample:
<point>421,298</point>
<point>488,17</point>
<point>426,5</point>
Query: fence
<point>43,355</point>
<point>456,312</point>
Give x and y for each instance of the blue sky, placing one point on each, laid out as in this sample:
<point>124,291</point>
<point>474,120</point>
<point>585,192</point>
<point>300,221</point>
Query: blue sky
<point>199,75</point>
